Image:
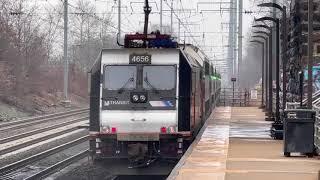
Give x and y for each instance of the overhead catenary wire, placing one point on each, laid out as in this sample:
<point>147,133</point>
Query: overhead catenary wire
<point>128,22</point>
<point>186,27</point>
<point>94,16</point>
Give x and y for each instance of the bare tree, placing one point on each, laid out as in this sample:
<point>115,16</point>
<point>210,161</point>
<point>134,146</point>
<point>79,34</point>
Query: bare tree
<point>88,34</point>
<point>31,48</point>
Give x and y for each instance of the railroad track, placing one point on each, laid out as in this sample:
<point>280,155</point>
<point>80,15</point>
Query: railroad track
<point>59,165</point>
<point>22,140</point>
<point>55,133</point>
<point>40,130</point>
<point>22,123</point>
<point>10,171</point>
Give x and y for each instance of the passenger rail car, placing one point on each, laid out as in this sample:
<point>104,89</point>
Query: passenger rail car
<point>149,103</point>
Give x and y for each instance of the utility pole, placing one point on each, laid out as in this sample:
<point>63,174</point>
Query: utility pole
<point>171,24</point>
<point>88,38</point>
<point>65,53</point>
<point>119,19</point>
<point>161,15</point>
<point>235,27</point>
<point>310,52</point>
<point>230,40</point>
<point>240,39</point>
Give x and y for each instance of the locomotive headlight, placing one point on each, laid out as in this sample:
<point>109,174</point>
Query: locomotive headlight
<point>143,98</point>
<point>135,98</point>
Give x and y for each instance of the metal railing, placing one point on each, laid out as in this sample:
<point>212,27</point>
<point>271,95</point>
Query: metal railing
<point>317,129</point>
<point>238,97</point>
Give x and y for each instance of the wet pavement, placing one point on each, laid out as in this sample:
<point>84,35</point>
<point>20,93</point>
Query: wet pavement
<point>236,145</point>
<point>248,123</point>
<point>207,156</point>
<point>249,131</point>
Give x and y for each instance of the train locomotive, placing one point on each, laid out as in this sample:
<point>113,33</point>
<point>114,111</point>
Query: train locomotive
<point>149,99</point>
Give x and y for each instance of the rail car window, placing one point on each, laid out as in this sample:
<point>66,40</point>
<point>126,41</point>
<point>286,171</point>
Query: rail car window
<point>159,77</point>
<point>207,68</point>
<point>120,77</point>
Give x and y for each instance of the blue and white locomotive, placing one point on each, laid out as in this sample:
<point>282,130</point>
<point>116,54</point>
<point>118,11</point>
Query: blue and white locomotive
<point>149,103</point>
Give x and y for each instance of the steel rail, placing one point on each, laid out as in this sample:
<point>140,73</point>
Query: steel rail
<point>37,140</point>
<point>40,130</point>
<point>16,165</point>
<point>26,124</point>
<point>5,124</point>
<point>62,164</point>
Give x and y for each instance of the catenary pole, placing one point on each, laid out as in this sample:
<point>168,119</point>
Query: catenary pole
<point>171,21</point>
<point>161,11</point>
<point>65,52</point>
<point>235,25</point>
<point>230,41</point>
<point>119,19</point>
<point>161,6</point>
<point>240,39</point>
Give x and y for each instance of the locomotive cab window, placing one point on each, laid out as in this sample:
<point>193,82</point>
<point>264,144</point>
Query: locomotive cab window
<point>119,77</point>
<point>159,77</point>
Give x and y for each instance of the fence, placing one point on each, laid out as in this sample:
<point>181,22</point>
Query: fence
<point>317,129</point>
<point>239,97</point>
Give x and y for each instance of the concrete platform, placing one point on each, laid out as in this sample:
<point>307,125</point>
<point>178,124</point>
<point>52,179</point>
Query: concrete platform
<point>235,144</point>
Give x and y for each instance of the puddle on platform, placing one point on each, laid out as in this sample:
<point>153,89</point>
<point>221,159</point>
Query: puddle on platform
<point>250,130</point>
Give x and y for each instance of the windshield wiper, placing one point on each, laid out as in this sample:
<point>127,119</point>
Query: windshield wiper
<point>120,91</point>
<point>150,85</point>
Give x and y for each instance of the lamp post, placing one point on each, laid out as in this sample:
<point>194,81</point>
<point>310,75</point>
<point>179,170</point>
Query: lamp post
<point>269,95</point>
<point>284,28</point>
<point>276,20</point>
<point>310,52</point>
<point>262,72</point>
<point>265,65</point>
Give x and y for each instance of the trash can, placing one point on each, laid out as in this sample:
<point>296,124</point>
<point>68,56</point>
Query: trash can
<point>299,131</point>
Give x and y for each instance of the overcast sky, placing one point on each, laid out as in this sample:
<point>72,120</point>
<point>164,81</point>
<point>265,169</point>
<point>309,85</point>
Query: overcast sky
<point>202,18</point>
<point>207,27</point>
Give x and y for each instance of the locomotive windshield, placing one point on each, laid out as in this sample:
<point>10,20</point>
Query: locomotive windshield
<point>119,77</point>
<point>159,77</point>
<point>155,78</point>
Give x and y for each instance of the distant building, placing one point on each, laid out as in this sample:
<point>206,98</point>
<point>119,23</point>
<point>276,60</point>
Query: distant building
<point>298,41</point>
